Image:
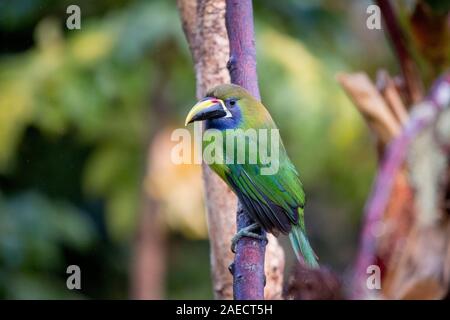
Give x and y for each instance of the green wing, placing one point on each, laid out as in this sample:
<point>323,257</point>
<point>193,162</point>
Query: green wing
<point>275,201</point>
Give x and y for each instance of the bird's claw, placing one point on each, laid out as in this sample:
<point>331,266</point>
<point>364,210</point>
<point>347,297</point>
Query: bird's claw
<point>246,232</point>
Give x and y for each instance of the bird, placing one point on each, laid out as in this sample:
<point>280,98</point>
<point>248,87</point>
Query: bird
<point>275,202</point>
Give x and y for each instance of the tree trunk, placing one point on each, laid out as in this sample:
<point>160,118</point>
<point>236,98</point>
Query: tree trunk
<point>204,26</point>
<point>149,262</point>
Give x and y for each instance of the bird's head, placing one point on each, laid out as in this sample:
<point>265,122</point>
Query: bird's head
<point>224,106</point>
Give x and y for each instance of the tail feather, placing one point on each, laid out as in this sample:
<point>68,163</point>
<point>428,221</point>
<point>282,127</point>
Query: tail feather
<point>302,248</point>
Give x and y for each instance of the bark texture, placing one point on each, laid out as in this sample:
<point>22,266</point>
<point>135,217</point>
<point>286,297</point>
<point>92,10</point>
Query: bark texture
<point>203,22</point>
<point>248,265</point>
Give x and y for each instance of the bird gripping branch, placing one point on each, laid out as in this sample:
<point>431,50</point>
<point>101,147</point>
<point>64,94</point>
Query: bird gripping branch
<point>274,201</point>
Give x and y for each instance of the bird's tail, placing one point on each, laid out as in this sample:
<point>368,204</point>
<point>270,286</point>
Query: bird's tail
<point>301,247</point>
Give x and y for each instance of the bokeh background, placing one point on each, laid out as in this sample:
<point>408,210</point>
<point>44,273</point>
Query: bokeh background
<point>85,123</point>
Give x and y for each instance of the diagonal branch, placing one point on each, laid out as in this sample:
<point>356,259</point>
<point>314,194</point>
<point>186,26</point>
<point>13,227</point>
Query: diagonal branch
<point>413,82</point>
<point>421,117</point>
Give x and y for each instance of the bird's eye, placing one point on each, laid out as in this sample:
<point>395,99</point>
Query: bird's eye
<point>232,102</point>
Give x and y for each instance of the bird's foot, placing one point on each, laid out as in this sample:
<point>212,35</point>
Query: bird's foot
<point>246,232</point>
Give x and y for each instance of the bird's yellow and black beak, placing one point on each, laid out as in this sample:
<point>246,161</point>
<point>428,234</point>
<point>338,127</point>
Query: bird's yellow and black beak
<point>208,108</point>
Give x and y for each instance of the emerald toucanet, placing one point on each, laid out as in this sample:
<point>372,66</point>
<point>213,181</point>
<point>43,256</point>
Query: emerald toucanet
<point>274,201</point>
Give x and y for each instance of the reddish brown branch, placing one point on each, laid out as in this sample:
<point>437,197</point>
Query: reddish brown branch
<point>248,266</point>
<point>242,63</point>
<point>412,79</point>
<point>421,117</point>
<point>204,26</point>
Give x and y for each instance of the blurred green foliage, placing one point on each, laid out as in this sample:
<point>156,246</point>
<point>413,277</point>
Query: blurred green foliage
<point>77,109</point>
<point>34,232</point>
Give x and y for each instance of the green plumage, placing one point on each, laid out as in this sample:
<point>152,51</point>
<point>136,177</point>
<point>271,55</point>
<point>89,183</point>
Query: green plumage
<point>275,201</point>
